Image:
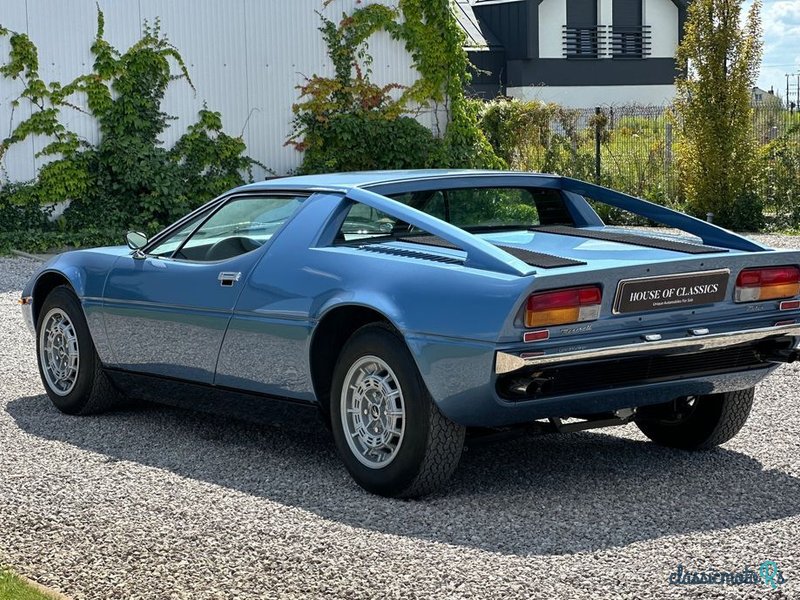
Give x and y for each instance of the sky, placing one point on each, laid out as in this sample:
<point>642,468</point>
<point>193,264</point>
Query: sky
<point>780,20</point>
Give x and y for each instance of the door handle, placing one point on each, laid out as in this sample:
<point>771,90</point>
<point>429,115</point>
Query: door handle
<point>228,278</point>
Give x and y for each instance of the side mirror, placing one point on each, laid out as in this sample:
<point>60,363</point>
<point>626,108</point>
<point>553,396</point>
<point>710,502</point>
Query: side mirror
<point>136,242</point>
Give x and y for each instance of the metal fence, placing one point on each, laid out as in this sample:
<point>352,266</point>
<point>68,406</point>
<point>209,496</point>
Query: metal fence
<point>633,151</point>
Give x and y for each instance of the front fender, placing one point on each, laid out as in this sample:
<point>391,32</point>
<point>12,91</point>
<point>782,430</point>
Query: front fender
<point>85,271</point>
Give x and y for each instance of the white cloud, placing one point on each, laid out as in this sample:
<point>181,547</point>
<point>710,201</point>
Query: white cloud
<point>781,23</point>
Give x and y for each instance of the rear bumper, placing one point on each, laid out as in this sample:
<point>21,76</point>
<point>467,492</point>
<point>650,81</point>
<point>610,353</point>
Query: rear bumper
<point>462,380</point>
<point>506,362</point>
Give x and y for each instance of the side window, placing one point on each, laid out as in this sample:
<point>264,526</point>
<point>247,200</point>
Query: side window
<point>363,221</point>
<point>242,225</point>
<point>166,247</point>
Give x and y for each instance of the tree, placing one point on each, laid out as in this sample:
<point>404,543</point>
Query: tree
<point>720,56</point>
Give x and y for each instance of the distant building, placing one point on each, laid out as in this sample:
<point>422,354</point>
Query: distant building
<point>759,97</point>
<point>577,53</point>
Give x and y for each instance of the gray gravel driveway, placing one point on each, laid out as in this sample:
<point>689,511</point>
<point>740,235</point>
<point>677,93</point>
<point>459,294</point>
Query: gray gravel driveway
<point>161,503</point>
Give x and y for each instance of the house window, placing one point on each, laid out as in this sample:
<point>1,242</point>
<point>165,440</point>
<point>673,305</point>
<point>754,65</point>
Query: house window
<point>629,37</point>
<point>582,35</point>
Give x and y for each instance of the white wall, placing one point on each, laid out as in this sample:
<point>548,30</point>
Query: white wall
<point>552,16</point>
<point>662,16</point>
<point>605,13</point>
<point>588,96</point>
<point>245,57</point>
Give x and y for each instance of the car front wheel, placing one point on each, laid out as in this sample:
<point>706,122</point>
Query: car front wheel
<point>696,422</point>
<point>68,363</point>
<point>392,438</point>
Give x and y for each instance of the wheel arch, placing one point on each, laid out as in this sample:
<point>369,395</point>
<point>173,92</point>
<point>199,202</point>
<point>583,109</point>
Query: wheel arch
<point>45,283</point>
<point>334,327</point>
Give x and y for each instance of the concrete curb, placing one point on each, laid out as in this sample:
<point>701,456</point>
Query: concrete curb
<point>54,595</point>
<point>39,257</point>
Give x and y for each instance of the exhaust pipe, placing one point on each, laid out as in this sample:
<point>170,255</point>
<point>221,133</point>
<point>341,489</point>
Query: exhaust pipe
<point>786,355</point>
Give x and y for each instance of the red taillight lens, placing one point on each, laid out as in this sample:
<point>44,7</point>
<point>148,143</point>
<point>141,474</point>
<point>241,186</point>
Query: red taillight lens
<point>559,307</point>
<point>771,283</point>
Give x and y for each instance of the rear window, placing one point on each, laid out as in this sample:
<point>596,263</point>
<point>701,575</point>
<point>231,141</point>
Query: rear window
<point>473,209</point>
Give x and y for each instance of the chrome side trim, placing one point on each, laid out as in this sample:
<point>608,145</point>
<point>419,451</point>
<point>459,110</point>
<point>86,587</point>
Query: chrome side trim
<point>505,362</point>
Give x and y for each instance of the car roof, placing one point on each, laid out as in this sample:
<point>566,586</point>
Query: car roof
<point>346,181</point>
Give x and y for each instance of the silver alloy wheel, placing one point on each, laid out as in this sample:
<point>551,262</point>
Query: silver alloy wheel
<point>58,351</point>
<point>373,412</point>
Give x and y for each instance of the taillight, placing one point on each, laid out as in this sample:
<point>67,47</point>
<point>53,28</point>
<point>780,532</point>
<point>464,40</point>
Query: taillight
<point>559,307</point>
<point>770,283</point>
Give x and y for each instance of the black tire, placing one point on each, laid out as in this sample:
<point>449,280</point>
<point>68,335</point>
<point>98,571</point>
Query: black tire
<point>92,392</point>
<point>705,423</point>
<point>431,444</point>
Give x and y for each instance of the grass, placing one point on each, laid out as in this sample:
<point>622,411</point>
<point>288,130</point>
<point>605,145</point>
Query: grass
<point>14,588</point>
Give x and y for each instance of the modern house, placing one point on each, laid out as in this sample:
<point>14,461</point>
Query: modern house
<point>577,53</point>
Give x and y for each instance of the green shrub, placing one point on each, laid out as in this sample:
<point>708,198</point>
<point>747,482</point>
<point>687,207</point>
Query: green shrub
<point>19,210</point>
<point>353,141</point>
<point>55,240</point>
<point>779,163</point>
<point>534,136</point>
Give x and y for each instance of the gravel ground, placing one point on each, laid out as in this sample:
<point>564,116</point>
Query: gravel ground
<point>163,503</point>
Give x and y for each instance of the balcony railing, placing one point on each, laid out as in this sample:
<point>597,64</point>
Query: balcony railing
<point>618,42</point>
<point>583,42</point>
<point>629,42</point>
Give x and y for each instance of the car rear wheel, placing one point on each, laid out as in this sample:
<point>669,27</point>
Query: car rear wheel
<point>696,422</point>
<point>68,363</point>
<point>392,438</point>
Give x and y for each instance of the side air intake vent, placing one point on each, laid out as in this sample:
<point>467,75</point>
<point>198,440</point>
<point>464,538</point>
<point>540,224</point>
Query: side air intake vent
<point>412,254</point>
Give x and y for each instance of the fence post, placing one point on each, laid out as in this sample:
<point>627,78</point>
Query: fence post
<point>667,145</point>
<point>597,145</point>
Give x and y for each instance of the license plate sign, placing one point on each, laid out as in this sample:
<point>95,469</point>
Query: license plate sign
<point>671,291</point>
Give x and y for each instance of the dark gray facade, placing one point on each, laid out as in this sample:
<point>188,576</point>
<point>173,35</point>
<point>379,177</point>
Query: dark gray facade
<point>510,56</point>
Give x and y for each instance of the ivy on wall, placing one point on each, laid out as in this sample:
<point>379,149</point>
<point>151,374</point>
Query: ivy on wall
<point>128,179</point>
<point>436,43</point>
<point>346,122</point>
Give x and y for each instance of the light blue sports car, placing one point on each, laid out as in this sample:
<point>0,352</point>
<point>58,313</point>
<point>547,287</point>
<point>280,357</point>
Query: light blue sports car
<point>409,307</point>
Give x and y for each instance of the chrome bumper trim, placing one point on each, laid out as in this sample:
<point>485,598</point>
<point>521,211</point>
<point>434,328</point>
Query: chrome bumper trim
<point>26,304</point>
<point>505,362</point>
